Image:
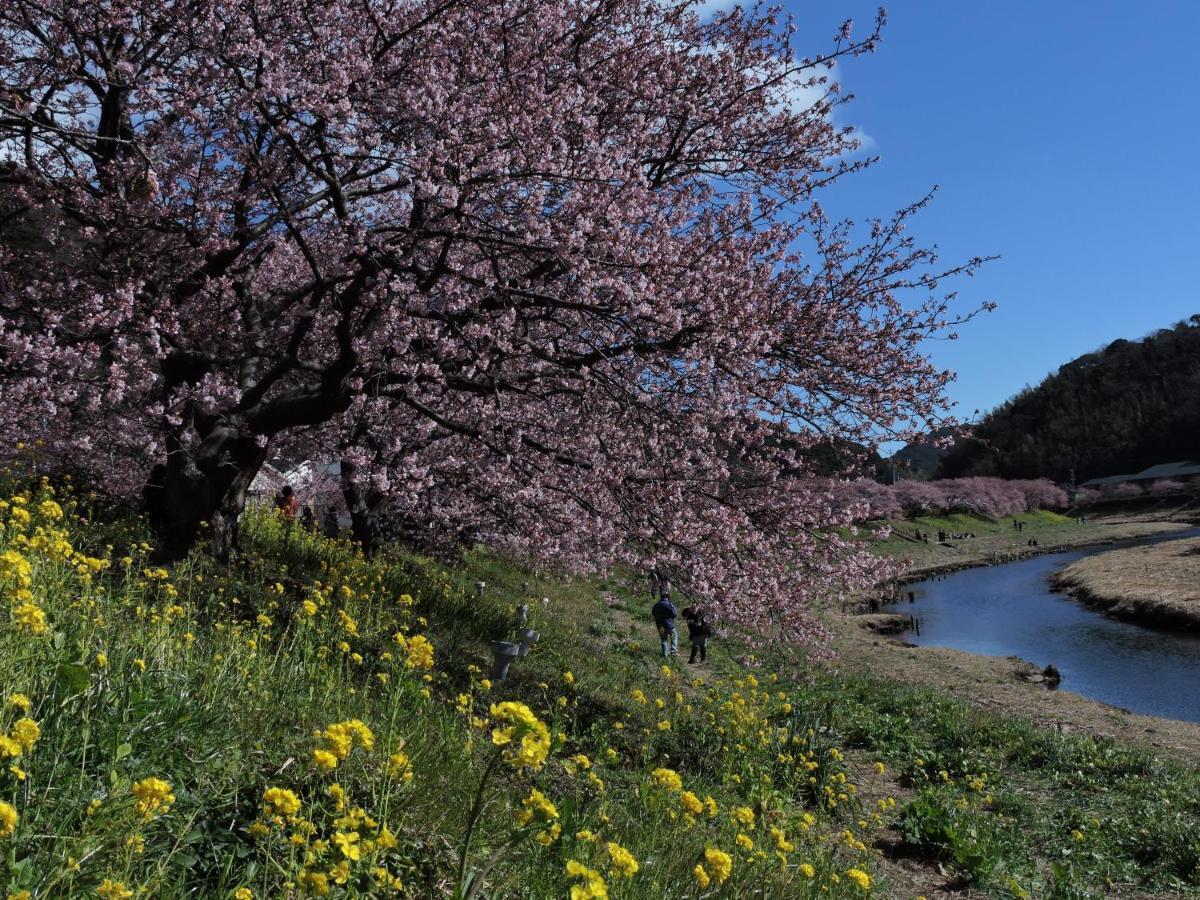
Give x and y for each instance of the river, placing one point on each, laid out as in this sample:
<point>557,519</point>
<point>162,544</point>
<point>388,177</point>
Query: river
<point>1009,610</point>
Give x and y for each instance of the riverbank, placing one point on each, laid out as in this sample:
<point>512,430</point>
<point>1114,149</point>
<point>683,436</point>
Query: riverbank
<point>995,542</point>
<point>1005,685</point>
<point>1155,585</point>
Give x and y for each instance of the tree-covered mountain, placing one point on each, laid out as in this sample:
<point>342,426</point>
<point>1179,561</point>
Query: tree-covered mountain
<point>1120,409</point>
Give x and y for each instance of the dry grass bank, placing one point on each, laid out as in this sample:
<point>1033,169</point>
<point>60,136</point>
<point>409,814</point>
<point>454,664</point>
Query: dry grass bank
<point>1158,585</point>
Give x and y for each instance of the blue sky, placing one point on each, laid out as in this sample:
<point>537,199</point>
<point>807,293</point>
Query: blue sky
<point>1064,137</point>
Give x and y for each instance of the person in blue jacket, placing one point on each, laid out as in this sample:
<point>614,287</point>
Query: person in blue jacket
<point>664,619</point>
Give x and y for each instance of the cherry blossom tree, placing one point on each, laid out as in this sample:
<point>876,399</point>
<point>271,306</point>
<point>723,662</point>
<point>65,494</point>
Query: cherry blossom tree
<point>1166,486</point>
<point>552,273</point>
<point>1124,490</point>
<point>1042,493</point>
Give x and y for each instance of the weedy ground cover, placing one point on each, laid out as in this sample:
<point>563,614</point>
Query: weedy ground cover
<point>307,722</point>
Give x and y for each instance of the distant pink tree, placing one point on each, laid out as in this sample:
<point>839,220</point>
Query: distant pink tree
<point>920,497</point>
<point>1042,493</point>
<point>989,497</point>
<point>553,273</point>
<point>865,499</point>
<point>1123,490</point>
<point>1166,486</point>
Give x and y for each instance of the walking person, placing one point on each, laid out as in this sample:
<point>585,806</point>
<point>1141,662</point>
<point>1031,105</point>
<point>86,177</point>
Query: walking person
<point>329,523</point>
<point>699,632</point>
<point>664,620</point>
<point>286,503</point>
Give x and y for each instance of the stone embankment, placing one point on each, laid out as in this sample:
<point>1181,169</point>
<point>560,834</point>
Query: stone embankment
<point>1156,585</point>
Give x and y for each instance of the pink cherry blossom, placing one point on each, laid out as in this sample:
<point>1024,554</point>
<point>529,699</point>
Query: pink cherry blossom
<point>549,275</point>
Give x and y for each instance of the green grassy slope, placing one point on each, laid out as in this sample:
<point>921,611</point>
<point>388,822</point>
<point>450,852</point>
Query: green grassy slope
<point>260,731</point>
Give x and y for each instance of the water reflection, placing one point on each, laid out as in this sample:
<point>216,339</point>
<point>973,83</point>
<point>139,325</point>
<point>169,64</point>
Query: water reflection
<point>1009,610</point>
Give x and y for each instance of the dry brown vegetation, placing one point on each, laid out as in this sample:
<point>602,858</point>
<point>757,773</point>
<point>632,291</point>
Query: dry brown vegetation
<point>1157,584</point>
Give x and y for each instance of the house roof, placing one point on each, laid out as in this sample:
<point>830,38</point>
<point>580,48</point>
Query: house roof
<point>1183,469</point>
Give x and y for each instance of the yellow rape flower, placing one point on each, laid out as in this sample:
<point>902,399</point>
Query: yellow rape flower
<point>30,616</point>
<point>324,760</point>
<point>348,843</point>
<point>153,796</point>
<point>515,721</point>
<point>691,803</point>
<point>536,808</point>
<point>280,802</point>
<point>399,766</point>
<point>668,778</point>
<point>859,877</point>
<point>701,876</point>
<point>26,732</point>
<point>8,819</point>
<point>113,890</point>
<point>720,864</point>
<point>621,861</point>
<point>316,883</point>
<point>593,886</point>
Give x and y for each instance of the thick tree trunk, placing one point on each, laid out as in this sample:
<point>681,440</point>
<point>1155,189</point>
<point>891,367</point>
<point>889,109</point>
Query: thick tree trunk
<point>363,506</point>
<point>204,492</point>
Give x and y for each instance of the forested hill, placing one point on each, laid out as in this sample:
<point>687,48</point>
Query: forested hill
<point>1120,409</point>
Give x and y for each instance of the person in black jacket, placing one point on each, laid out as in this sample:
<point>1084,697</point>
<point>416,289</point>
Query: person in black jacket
<point>699,632</point>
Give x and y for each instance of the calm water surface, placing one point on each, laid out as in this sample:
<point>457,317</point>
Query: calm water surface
<point>1009,610</point>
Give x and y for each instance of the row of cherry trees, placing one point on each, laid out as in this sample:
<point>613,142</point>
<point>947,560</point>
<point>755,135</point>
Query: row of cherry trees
<point>1128,490</point>
<point>553,274</point>
<point>990,497</point>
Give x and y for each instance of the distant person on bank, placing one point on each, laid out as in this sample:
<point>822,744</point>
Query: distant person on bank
<point>664,620</point>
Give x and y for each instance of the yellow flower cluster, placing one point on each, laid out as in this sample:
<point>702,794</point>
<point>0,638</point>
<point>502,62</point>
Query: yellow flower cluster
<point>859,877</point>
<point>113,890</point>
<point>400,766</point>
<point>280,802</point>
<point>720,864</point>
<point>8,819</point>
<point>516,722</point>
<point>338,740</point>
<point>668,778</point>
<point>418,649</point>
<point>538,810</point>
<point>621,861</point>
<point>592,886</point>
<point>152,795</point>
<point>20,739</point>
<point>31,617</point>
